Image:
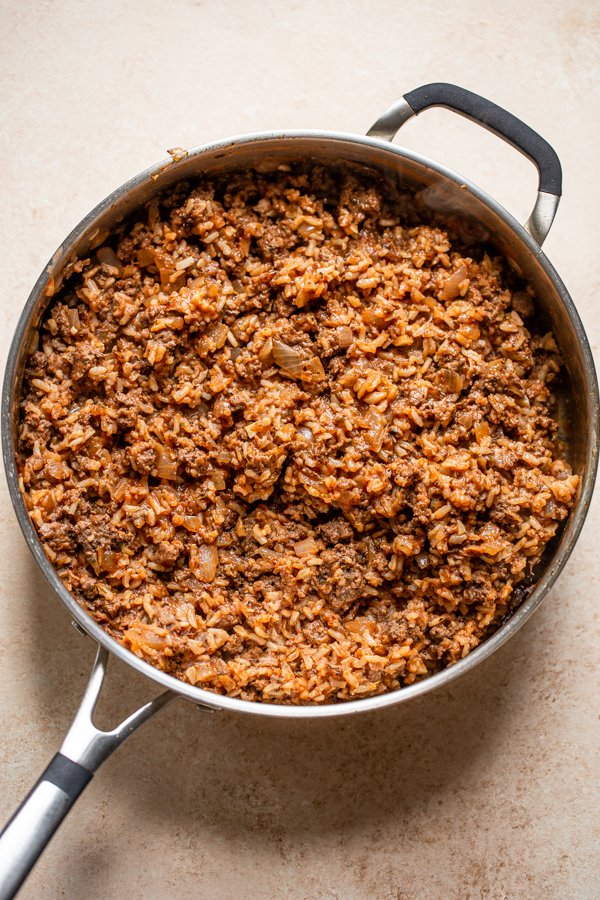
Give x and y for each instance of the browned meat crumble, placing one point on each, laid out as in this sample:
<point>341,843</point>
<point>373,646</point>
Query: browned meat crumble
<point>286,445</point>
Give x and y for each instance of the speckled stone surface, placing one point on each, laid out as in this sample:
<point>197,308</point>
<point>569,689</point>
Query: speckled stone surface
<point>488,789</point>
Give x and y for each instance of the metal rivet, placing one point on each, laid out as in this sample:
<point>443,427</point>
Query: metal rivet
<point>78,628</point>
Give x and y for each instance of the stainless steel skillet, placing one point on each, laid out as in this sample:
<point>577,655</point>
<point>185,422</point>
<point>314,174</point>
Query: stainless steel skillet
<point>440,190</point>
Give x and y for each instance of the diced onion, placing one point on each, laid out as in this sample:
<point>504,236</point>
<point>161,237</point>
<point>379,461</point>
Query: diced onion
<point>218,479</point>
<point>145,257</point>
<point>286,358</point>
<point>204,562</point>
<point>451,287</point>
<point>107,255</point>
<point>166,466</point>
<point>344,336</point>
<point>451,381</point>
<point>307,547</point>
<point>192,523</point>
<point>266,353</point>
<point>305,433</point>
<point>482,430</point>
<point>56,470</point>
<point>313,370</point>
<point>376,430</point>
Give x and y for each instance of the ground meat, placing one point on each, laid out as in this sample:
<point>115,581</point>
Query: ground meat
<point>288,442</point>
<point>143,457</point>
<point>167,554</point>
<point>336,531</point>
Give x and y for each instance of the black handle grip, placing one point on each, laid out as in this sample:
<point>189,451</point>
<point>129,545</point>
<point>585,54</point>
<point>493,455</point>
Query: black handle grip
<point>497,120</point>
<point>24,837</point>
<point>69,776</point>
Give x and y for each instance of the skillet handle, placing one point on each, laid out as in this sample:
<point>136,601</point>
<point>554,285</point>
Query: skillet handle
<point>37,818</point>
<point>496,120</point>
<point>84,749</point>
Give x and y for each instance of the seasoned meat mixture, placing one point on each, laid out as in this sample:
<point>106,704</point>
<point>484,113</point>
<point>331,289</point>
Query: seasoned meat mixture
<point>287,442</point>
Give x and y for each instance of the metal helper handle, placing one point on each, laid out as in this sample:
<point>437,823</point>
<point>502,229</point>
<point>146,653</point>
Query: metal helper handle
<point>83,750</point>
<point>496,120</point>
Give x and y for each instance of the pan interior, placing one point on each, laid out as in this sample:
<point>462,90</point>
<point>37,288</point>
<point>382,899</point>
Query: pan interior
<point>447,197</point>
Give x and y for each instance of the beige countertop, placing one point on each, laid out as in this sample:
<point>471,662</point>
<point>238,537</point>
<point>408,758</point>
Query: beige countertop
<point>486,789</point>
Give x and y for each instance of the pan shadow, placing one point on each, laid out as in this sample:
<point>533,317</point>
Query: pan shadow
<point>260,780</point>
<point>246,772</point>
